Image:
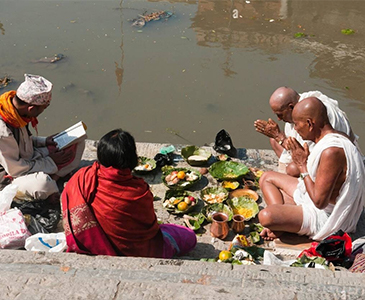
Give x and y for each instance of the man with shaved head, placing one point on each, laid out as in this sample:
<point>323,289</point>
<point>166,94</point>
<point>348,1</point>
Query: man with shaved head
<point>329,195</point>
<point>282,103</point>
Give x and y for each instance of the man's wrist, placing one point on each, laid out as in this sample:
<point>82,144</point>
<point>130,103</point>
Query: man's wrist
<point>303,175</point>
<point>280,139</point>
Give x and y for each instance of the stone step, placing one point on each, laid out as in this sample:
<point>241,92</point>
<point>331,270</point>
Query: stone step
<point>32,275</point>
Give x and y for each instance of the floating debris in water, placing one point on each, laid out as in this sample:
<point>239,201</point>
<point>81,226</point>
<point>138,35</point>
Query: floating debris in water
<point>4,81</point>
<point>142,20</point>
<point>347,31</point>
<point>51,59</point>
<point>300,35</point>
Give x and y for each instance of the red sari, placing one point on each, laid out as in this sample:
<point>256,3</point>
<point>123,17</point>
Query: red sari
<point>109,211</point>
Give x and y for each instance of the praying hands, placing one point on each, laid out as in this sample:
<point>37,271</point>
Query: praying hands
<point>271,129</point>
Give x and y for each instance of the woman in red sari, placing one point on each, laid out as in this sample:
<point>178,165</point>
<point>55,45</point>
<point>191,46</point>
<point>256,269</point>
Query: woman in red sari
<point>107,210</point>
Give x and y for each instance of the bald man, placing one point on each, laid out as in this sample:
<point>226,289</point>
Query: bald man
<point>330,193</point>
<point>282,103</point>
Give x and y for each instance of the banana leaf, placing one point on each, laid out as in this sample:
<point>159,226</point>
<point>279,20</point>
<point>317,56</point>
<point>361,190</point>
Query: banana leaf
<point>195,156</point>
<point>244,206</point>
<point>228,170</point>
<point>255,237</point>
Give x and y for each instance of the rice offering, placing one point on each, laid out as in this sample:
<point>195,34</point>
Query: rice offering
<point>145,167</point>
<point>215,198</point>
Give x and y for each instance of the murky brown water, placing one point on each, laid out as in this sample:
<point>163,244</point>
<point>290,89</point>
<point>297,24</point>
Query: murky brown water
<point>183,80</point>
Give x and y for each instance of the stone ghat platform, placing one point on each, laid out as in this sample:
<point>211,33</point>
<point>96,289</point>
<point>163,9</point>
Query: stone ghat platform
<point>39,275</point>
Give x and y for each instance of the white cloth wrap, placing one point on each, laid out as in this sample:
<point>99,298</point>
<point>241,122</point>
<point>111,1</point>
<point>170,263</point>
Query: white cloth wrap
<point>337,118</point>
<point>350,201</point>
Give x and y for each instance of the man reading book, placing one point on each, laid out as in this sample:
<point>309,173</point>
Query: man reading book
<point>34,163</point>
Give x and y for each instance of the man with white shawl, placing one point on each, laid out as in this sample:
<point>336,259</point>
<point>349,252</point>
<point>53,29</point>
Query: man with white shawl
<point>329,195</point>
<point>282,102</point>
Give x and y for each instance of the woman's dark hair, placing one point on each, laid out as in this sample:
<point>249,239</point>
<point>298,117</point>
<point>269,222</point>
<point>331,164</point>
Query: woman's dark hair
<point>117,149</point>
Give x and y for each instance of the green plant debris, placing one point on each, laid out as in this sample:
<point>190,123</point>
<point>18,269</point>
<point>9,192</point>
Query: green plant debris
<point>347,31</point>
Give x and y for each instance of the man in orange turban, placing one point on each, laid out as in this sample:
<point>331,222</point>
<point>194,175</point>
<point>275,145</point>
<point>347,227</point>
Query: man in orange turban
<point>33,162</point>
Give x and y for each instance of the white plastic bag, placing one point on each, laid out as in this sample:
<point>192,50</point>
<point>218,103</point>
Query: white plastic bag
<point>50,242</point>
<point>13,230</point>
<point>6,196</point>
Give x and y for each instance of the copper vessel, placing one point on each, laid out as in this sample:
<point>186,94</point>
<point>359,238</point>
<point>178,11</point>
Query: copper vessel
<point>238,224</point>
<point>219,227</point>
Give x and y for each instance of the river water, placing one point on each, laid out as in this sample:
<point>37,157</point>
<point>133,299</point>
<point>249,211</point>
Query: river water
<point>212,65</point>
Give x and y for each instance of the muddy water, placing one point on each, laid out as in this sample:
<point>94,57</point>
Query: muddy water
<point>212,65</point>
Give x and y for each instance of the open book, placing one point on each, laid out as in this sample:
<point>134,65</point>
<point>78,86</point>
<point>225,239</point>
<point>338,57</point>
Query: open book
<point>70,136</point>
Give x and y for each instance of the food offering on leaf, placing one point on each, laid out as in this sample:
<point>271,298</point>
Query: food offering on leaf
<point>248,193</point>
<point>180,178</point>
<point>194,220</point>
<point>145,164</point>
<point>195,156</point>
<point>211,209</point>
<point>212,195</point>
<point>244,206</point>
<point>228,170</point>
<point>241,251</point>
<point>230,185</point>
<point>179,201</point>
<point>240,241</point>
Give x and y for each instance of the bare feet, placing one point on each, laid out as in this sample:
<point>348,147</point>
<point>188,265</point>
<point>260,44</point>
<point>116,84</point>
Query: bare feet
<point>269,235</point>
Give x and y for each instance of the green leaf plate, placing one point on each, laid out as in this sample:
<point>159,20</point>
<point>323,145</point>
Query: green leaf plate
<point>228,170</point>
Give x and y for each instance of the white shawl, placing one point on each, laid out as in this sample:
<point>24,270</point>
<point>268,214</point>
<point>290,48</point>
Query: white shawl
<point>351,199</point>
<point>337,118</point>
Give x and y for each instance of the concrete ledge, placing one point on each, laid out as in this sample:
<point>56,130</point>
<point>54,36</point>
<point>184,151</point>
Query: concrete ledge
<point>32,275</point>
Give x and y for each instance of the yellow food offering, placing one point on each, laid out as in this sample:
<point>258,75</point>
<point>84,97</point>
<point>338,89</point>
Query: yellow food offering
<point>224,255</point>
<point>243,241</point>
<point>182,206</point>
<point>239,241</point>
<point>181,175</point>
<point>230,185</point>
<point>259,173</point>
<point>245,212</point>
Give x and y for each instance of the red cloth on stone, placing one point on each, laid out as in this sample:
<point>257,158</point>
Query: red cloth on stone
<point>123,207</point>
